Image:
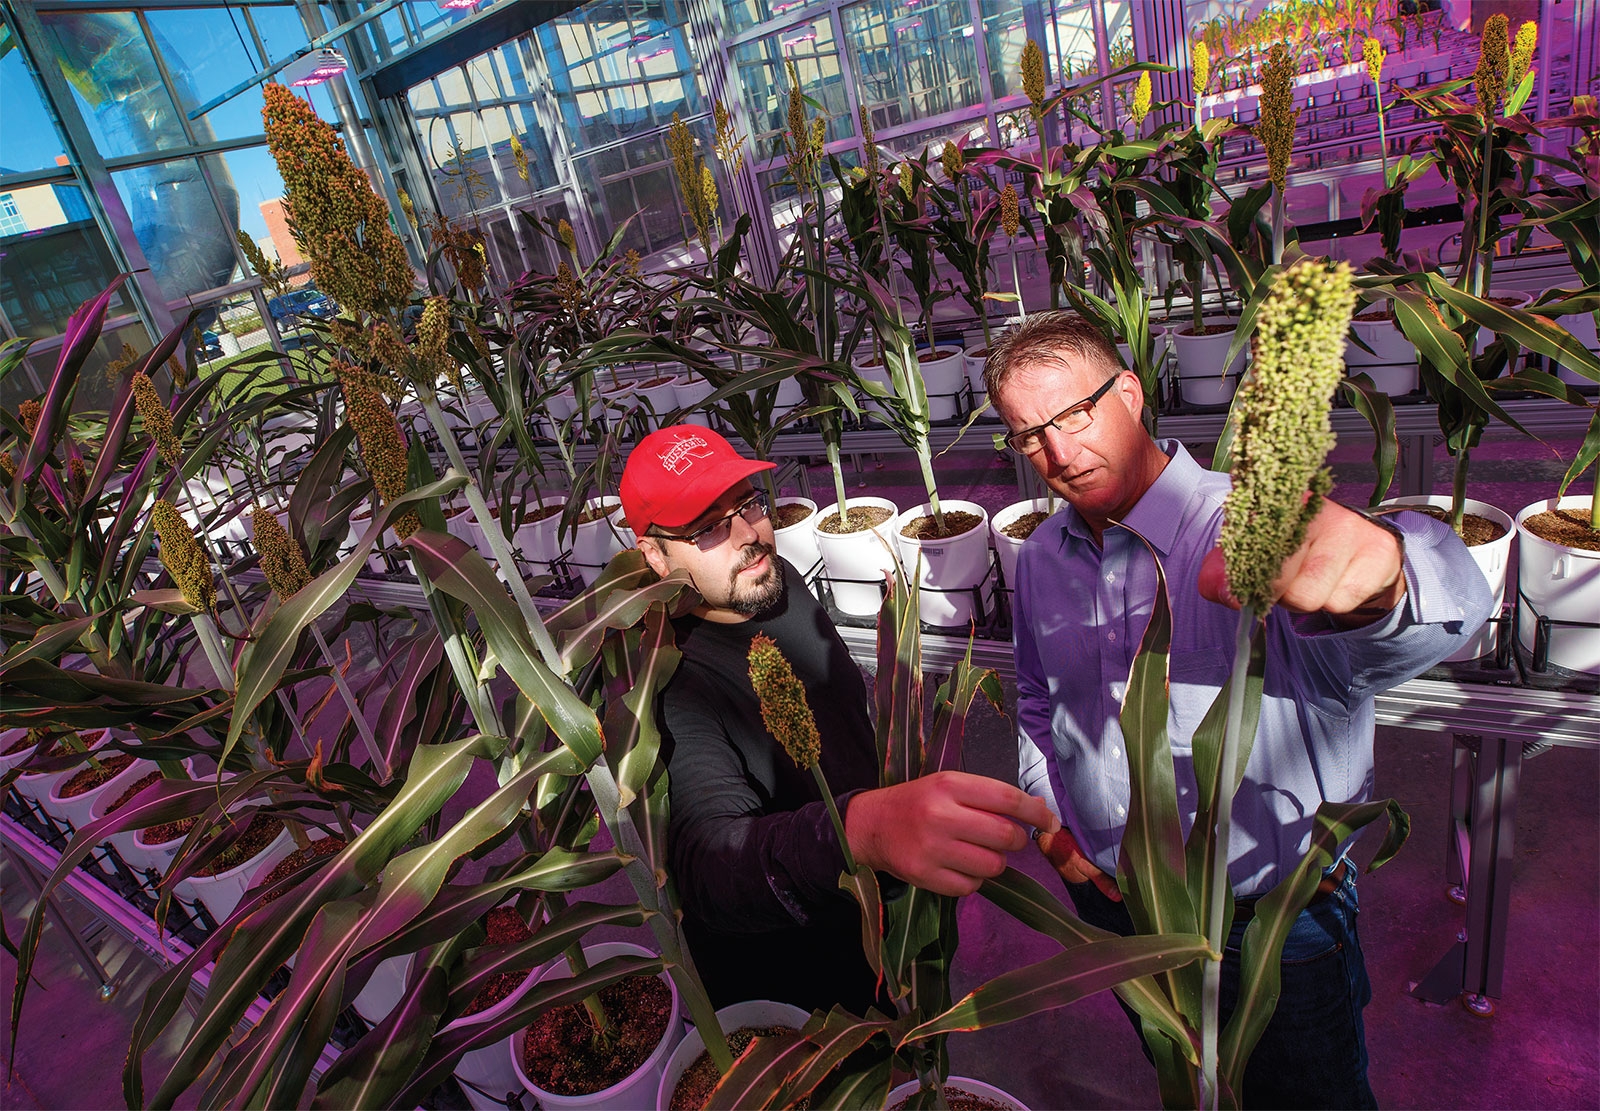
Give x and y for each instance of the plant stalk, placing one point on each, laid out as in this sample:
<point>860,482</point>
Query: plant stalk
<point>833,813</point>
<point>1458,491</point>
<point>363,727</point>
<point>1211,992</point>
<point>497,539</point>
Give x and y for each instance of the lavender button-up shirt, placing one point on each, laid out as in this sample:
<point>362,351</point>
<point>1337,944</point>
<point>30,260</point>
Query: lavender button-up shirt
<point>1082,609</point>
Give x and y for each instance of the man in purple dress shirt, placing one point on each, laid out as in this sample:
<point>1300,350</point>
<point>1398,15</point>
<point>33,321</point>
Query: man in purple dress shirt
<point>1362,607</point>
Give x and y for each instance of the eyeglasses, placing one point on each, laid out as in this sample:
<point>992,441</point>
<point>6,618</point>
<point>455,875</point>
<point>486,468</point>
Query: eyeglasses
<point>753,509</point>
<point>1071,421</point>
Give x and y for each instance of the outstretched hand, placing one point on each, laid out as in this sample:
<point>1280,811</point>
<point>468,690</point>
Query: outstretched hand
<point>1346,566</point>
<point>946,832</point>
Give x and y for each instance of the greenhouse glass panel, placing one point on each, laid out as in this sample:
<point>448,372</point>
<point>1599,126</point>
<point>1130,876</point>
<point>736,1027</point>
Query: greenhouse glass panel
<point>912,61</point>
<point>177,227</point>
<point>208,51</point>
<point>115,80</point>
<point>618,69</point>
<point>260,191</point>
<point>31,139</point>
<point>55,258</point>
<point>762,73</point>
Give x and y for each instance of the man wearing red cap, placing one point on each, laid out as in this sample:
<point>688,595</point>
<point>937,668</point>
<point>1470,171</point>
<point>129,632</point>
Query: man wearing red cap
<point>752,848</point>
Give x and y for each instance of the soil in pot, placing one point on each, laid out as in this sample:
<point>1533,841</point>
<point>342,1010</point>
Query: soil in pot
<point>298,859</point>
<point>695,1086</point>
<point>926,528</point>
<point>505,927</point>
<point>1475,530</point>
<point>561,1055</point>
<point>653,383</point>
<point>540,512</point>
<point>166,831</point>
<point>1567,527</point>
<point>91,777</point>
<point>791,513</point>
<point>1373,317</point>
<point>127,796</point>
<point>1023,526</point>
<point>1210,329</point>
<point>959,1099</point>
<point>857,518</point>
<point>596,513</point>
<point>261,832</point>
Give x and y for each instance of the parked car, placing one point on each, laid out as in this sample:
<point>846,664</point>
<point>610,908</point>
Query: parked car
<point>302,302</point>
<point>210,346</point>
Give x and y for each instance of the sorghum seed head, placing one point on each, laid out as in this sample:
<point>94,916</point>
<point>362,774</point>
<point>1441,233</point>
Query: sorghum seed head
<point>1372,51</point>
<point>29,413</point>
<point>282,562</point>
<point>1522,53</point>
<point>1283,434</point>
<point>784,709</point>
<point>1033,76</point>
<point>568,239</point>
<point>383,448</point>
<point>1010,210</point>
<point>1489,79</point>
<point>520,157</point>
<point>1141,100</point>
<point>181,555</point>
<point>1200,64</point>
<point>1278,113</point>
<point>157,419</point>
<point>952,160</point>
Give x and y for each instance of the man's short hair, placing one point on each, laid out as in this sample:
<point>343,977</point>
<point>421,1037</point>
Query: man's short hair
<point>1046,336</point>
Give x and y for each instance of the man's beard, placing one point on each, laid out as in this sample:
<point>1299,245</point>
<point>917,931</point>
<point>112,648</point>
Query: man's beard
<point>751,598</point>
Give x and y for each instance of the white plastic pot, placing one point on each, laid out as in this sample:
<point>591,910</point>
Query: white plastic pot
<point>132,852</point>
<point>488,1067</point>
<point>877,373</point>
<point>1392,362</point>
<point>460,522</point>
<point>689,390</point>
<point>951,568</point>
<point>39,787</point>
<point>79,810</point>
<point>562,405</point>
<point>1491,558</point>
<point>222,892</point>
<point>944,376</point>
<point>1201,379</point>
<point>966,1084</point>
<point>660,396</point>
<point>632,1092</point>
<point>540,541</point>
<point>797,543</point>
<point>1512,298</point>
<point>1582,329</point>
<point>596,541</point>
<point>975,358</point>
<point>856,561</point>
<point>1007,549</point>
<point>736,1016</point>
<point>1563,584</point>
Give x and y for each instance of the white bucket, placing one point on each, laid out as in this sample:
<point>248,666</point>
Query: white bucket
<point>863,555</point>
<point>944,376</point>
<point>1563,584</point>
<point>975,357</point>
<point>634,1091</point>
<point>660,397</point>
<point>488,1067</point>
<point>951,568</point>
<point>1392,362</point>
<point>689,390</point>
<point>223,892</point>
<point>540,541</point>
<point>871,407</point>
<point>1201,380</point>
<point>735,1016</point>
<point>797,543</point>
<point>1491,559</point>
<point>596,541</point>
<point>1582,329</point>
<point>79,810</point>
<point>971,1087</point>
<point>1008,549</point>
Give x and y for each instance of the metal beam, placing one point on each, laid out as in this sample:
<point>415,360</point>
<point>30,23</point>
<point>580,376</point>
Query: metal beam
<point>466,40</point>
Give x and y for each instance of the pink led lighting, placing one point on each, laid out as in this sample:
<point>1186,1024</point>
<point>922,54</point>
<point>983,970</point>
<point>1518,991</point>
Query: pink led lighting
<point>458,4</point>
<point>319,75</point>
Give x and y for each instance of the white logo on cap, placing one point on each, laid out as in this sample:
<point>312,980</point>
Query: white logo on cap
<point>684,452</point>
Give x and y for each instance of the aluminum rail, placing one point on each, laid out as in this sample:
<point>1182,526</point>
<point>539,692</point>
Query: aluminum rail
<point>113,911</point>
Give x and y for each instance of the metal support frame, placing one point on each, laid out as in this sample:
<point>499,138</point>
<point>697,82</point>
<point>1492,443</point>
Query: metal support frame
<point>31,879</point>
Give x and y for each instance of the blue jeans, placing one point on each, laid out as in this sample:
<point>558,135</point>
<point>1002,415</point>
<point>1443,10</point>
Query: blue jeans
<point>1313,1052</point>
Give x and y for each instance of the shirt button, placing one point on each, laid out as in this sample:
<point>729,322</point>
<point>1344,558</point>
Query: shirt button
<point>1111,577</point>
<point>1115,752</point>
<point>1111,637</point>
<point>1122,811</point>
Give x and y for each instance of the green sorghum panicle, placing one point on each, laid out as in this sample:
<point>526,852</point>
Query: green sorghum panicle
<point>1283,434</point>
<point>1372,53</point>
<point>1141,100</point>
<point>952,160</point>
<point>1489,79</point>
<point>1522,54</point>
<point>181,555</point>
<point>519,155</point>
<point>784,708</point>
<point>1278,113</point>
<point>157,419</point>
<point>282,562</point>
<point>1200,63</point>
<point>433,341</point>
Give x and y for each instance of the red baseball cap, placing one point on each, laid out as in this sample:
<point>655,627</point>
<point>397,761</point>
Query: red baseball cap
<point>677,473</point>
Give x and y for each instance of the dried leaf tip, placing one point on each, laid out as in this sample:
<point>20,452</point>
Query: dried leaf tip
<point>282,562</point>
<point>1284,434</point>
<point>180,554</point>
<point>784,709</point>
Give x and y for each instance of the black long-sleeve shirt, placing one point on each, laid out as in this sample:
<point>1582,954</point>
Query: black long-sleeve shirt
<point>752,849</point>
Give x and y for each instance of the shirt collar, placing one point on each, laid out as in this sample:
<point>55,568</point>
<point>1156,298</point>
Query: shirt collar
<point>1157,515</point>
